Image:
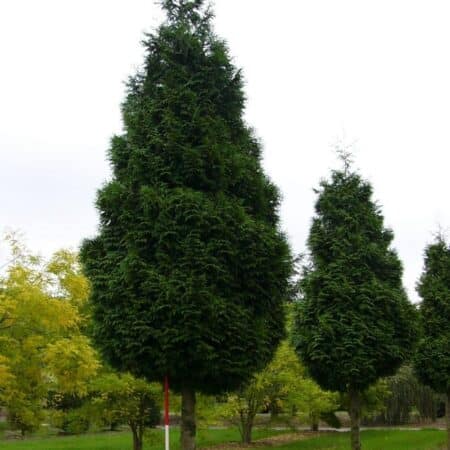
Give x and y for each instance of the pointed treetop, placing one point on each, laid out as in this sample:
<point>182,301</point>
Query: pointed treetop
<point>343,150</point>
<point>190,10</point>
<point>441,235</point>
<point>346,157</point>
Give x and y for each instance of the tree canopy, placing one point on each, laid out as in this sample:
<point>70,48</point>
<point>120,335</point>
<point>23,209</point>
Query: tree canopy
<point>354,323</point>
<point>189,269</point>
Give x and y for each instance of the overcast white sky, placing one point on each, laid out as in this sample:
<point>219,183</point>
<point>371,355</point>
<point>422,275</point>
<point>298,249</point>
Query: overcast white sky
<point>376,71</point>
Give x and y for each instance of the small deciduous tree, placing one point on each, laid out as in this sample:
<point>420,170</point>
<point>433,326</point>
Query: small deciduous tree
<point>283,385</point>
<point>354,323</point>
<point>314,403</point>
<point>432,362</point>
<point>41,345</point>
<point>118,399</point>
<point>246,403</point>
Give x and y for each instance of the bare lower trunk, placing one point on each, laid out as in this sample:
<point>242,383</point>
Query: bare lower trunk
<point>314,420</point>
<point>188,426</point>
<point>137,439</point>
<point>247,432</point>
<point>355,418</point>
<point>447,417</point>
<point>246,421</point>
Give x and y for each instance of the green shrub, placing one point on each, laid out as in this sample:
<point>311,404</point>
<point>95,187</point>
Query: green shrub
<point>76,422</point>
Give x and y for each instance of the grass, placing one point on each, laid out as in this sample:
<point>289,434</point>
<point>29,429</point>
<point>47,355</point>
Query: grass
<point>371,440</point>
<point>123,441</point>
<point>375,440</point>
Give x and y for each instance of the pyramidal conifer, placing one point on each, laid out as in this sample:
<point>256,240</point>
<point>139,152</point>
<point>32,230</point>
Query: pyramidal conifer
<point>354,323</point>
<point>189,269</point>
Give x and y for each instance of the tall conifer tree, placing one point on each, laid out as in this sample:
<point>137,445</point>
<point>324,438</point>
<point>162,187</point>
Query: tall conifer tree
<point>354,323</point>
<point>189,269</point>
<point>432,360</point>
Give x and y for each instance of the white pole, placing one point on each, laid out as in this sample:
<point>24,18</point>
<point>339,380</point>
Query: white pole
<point>167,437</point>
<point>166,411</point>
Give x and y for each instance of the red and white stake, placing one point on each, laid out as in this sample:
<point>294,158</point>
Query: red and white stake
<point>166,410</point>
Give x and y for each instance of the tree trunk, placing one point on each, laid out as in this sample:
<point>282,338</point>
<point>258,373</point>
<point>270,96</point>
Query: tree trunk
<point>314,420</point>
<point>246,422</point>
<point>188,426</point>
<point>137,439</point>
<point>247,432</point>
<point>355,417</point>
<point>447,417</point>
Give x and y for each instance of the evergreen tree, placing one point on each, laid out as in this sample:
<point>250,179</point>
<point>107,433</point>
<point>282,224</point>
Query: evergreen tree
<point>189,269</point>
<point>353,323</point>
<point>432,360</point>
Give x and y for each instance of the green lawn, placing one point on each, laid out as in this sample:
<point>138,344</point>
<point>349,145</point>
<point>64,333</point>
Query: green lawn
<point>375,440</point>
<point>372,440</point>
<point>123,441</point>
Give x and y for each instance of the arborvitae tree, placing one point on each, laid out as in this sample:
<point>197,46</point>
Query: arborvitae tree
<point>354,323</point>
<point>432,360</point>
<point>189,269</point>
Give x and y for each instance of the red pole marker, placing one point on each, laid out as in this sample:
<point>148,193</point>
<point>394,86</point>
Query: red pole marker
<point>166,410</point>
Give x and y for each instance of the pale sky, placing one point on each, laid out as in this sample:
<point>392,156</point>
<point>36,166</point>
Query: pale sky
<point>375,73</point>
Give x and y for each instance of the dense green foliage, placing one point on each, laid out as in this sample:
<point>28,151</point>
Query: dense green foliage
<point>354,323</point>
<point>189,269</point>
<point>433,353</point>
